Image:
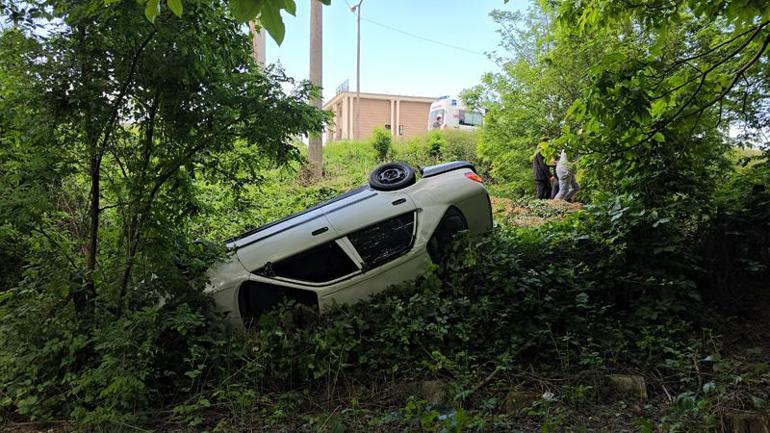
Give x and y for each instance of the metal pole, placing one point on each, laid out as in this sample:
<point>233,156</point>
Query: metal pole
<point>315,142</point>
<point>358,69</point>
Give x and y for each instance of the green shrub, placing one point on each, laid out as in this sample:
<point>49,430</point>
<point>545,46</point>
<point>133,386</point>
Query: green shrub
<point>508,163</point>
<point>440,146</point>
<point>460,145</point>
<point>434,145</point>
<point>382,143</point>
<point>734,245</point>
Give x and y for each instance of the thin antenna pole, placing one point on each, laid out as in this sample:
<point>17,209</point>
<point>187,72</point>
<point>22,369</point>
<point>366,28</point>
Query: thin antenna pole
<point>357,9</point>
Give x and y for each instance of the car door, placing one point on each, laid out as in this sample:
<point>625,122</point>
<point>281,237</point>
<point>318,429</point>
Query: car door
<point>375,208</point>
<point>376,233</point>
<point>387,256</point>
<point>285,240</point>
<point>321,265</point>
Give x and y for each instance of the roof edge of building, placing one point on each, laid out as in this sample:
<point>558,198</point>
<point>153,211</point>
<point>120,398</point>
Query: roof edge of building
<point>384,96</point>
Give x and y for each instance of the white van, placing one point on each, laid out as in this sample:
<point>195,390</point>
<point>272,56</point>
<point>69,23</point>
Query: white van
<point>449,112</point>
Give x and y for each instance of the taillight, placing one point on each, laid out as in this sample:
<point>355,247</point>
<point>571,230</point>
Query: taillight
<point>474,177</point>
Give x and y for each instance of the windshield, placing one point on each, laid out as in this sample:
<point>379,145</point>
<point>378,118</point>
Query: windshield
<point>436,119</point>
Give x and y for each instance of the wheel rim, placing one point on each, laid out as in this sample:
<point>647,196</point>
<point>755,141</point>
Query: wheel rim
<point>392,175</point>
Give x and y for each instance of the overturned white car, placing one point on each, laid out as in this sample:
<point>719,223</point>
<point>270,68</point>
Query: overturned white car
<point>354,245</point>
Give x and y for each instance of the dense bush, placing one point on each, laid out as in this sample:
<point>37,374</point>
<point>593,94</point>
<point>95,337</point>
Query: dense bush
<point>440,146</point>
<point>382,143</point>
<point>734,246</point>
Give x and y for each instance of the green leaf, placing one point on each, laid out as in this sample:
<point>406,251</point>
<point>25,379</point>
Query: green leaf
<point>577,110</point>
<point>175,6</point>
<point>152,10</point>
<point>659,137</point>
<point>658,107</point>
<point>290,7</point>
<point>245,10</point>
<point>270,16</point>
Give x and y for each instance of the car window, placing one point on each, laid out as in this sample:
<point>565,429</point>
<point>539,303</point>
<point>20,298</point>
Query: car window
<point>323,263</point>
<point>382,242</point>
<point>471,118</point>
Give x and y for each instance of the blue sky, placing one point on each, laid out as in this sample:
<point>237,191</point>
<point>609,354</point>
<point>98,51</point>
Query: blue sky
<point>393,62</point>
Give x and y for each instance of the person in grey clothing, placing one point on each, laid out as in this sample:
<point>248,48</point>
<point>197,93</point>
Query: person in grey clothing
<point>565,171</point>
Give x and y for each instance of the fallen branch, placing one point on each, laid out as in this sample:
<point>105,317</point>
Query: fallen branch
<point>485,382</point>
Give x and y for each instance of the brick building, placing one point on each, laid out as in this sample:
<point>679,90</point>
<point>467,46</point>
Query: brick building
<point>404,116</point>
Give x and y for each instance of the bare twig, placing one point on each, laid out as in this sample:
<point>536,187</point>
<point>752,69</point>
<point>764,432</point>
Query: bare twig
<point>485,382</point>
<point>670,400</point>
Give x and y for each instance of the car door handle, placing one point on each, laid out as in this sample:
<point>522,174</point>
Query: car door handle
<point>321,230</point>
<point>399,201</point>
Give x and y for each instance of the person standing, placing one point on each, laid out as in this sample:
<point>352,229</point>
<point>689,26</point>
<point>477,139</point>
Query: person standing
<point>554,178</point>
<point>568,185</point>
<point>438,123</point>
<point>542,177</point>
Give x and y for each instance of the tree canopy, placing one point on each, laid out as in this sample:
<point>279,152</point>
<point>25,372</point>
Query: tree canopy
<point>267,13</point>
<point>648,92</point>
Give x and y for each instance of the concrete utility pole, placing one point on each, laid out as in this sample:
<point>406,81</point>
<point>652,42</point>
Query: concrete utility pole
<point>257,43</point>
<point>315,143</point>
<point>357,10</point>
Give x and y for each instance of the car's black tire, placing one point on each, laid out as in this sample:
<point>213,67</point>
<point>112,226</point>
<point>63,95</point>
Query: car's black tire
<point>392,176</point>
<point>452,223</point>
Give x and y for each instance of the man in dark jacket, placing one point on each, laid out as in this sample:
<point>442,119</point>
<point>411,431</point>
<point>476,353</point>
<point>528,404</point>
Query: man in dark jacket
<point>542,176</point>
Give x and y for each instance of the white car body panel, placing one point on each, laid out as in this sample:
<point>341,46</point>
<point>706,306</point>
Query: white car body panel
<point>428,199</point>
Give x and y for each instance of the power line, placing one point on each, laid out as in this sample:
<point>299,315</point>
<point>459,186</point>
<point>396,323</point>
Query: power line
<point>423,38</point>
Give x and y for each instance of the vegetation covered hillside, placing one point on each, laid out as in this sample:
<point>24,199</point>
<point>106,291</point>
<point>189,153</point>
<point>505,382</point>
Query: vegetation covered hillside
<point>130,149</point>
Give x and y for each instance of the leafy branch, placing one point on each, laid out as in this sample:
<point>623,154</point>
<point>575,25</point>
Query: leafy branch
<point>265,13</point>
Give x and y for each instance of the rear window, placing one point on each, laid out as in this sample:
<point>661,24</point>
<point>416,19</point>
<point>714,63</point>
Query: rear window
<point>384,241</point>
<point>319,264</point>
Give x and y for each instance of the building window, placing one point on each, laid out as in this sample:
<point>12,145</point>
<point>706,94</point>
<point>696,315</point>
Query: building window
<point>387,126</point>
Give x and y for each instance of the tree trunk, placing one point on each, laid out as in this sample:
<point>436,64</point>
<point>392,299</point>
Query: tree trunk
<point>136,215</point>
<point>94,172</point>
<point>82,297</point>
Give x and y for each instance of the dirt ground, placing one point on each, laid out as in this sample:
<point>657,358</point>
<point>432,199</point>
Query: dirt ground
<point>34,427</point>
<point>532,213</point>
